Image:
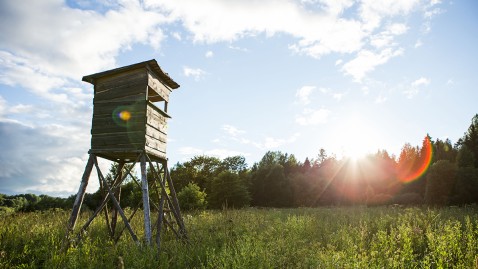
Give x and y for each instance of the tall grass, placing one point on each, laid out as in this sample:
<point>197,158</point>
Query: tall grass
<point>345,237</point>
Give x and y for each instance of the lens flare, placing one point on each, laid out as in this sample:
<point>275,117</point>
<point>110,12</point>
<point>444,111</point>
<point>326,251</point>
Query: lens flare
<point>420,168</point>
<point>124,115</point>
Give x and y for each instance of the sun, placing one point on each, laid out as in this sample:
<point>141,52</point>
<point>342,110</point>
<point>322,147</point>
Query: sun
<point>357,151</point>
<point>356,138</point>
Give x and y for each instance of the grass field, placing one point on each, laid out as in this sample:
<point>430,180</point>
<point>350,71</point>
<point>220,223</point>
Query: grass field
<point>336,237</point>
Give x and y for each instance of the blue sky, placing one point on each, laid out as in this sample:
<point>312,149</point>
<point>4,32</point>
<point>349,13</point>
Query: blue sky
<point>348,76</point>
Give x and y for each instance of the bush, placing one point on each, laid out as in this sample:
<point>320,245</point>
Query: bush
<point>191,197</point>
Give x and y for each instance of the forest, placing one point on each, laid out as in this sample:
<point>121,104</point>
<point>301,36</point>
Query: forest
<point>435,173</point>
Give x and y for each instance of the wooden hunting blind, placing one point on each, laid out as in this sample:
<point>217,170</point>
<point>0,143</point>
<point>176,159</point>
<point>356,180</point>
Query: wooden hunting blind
<point>126,118</point>
<point>128,126</point>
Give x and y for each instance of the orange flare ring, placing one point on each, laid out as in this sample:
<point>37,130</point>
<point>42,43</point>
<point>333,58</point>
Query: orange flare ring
<point>413,175</point>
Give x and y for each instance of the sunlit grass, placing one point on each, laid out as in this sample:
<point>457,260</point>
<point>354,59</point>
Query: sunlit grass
<point>344,237</point>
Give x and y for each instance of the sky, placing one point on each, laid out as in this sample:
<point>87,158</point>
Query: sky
<point>348,76</point>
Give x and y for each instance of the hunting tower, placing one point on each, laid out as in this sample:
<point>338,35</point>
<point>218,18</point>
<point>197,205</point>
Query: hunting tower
<point>129,125</point>
<point>126,118</point>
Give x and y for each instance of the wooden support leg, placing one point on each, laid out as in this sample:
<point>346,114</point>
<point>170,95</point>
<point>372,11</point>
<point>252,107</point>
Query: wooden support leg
<point>146,209</point>
<point>175,201</point>
<point>115,202</point>
<point>104,192</point>
<point>114,215</point>
<point>159,223</point>
<point>174,206</point>
<point>80,195</point>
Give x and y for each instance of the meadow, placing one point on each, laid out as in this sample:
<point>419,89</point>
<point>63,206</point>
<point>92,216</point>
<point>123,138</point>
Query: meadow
<point>327,237</point>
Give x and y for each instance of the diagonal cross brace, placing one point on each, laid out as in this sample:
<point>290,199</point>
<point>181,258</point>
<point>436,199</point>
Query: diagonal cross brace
<point>115,202</point>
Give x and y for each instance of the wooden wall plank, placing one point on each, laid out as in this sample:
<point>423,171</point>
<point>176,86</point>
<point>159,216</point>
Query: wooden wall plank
<point>155,144</point>
<point>124,147</point>
<point>133,89</point>
<point>155,152</point>
<point>108,125</point>
<point>123,77</point>
<point>129,98</point>
<point>158,86</point>
<point>156,134</point>
<point>107,108</point>
<point>119,138</point>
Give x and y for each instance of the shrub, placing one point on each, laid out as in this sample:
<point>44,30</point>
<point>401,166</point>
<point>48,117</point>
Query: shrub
<point>191,197</point>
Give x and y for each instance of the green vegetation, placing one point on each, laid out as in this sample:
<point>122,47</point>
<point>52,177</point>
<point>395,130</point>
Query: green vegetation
<point>329,237</point>
<point>354,216</point>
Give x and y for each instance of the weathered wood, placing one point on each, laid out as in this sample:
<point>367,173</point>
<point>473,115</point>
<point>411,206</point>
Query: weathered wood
<point>152,108</point>
<point>156,143</point>
<point>134,80</point>
<point>123,138</point>
<point>115,202</point>
<point>117,237</point>
<point>156,134</point>
<point>105,208</point>
<point>122,77</point>
<point>142,136</point>
<point>106,197</point>
<point>135,88</point>
<point>175,199</point>
<point>135,123</point>
<point>80,195</point>
<point>156,153</point>
<point>146,209</point>
<point>126,98</point>
<point>106,107</point>
<point>117,147</point>
<point>159,222</point>
<point>159,87</point>
<point>114,213</point>
<point>176,214</point>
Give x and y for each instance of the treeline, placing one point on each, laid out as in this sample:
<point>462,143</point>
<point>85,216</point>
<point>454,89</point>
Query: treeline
<point>436,172</point>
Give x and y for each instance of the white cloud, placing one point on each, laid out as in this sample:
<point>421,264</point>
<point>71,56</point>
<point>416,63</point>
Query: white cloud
<point>209,54</point>
<point>176,36</point>
<point>53,168</point>
<point>196,73</point>
<point>233,131</point>
<point>313,117</point>
<point>415,87</point>
<point>332,93</point>
<point>373,12</point>
<point>238,48</point>
<point>367,60</point>
<point>274,143</point>
<point>84,41</point>
<point>421,82</point>
<point>303,94</point>
<point>386,38</point>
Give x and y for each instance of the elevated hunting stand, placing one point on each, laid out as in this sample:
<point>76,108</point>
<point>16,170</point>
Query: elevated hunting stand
<point>128,127</point>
